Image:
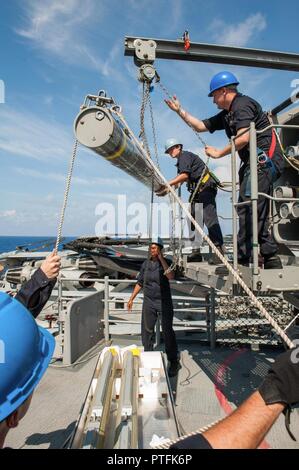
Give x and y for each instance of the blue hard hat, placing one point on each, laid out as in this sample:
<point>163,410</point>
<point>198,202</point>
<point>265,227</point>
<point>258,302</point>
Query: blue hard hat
<point>157,241</point>
<point>222,79</point>
<point>171,143</point>
<point>25,352</point>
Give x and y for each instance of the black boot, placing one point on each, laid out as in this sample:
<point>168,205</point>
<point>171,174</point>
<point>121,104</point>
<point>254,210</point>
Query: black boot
<point>194,257</point>
<point>272,262</point>
<point>213,259</point>
<point>243,261</point>
<point>173,368</point>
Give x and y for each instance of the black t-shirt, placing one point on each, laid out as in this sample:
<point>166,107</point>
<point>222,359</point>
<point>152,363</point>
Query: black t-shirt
<point>242,112</point>
<point>190,163</point>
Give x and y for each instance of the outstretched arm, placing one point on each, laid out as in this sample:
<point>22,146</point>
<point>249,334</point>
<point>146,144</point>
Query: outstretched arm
<point>35,293</point>
<point>246,427</point>
<point>175,105</point>
<point>178,180</point>
<point>240,142</point>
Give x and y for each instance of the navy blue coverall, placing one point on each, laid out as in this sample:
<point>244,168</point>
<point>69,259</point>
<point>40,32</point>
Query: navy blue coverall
<point>156,299</point>
<point>35,293</point>
<point>193,165</point>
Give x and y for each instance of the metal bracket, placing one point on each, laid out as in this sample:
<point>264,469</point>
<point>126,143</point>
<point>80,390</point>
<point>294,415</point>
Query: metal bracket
<point>101,100</point>
<point>145,51</point>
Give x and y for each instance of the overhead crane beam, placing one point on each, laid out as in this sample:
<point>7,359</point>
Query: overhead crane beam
<point>147,50</point>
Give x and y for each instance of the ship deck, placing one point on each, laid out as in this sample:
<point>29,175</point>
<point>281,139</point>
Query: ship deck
<point>210,384</point>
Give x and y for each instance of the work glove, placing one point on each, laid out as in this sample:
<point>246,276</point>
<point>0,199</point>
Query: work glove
<point>162,191</point>
<point>281,385</point>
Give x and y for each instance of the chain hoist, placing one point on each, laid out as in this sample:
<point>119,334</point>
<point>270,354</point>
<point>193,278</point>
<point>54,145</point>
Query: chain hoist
<point>206,167</point>
<point>146,75</point>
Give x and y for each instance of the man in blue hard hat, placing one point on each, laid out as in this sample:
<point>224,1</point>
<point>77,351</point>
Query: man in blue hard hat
<point>26,351</point>
<point>192,170</point>
<point>237,112</point>
<point>154,279</point>
<point>25,348</point>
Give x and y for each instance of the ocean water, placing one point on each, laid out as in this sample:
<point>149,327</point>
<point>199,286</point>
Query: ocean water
<point>30,243</point>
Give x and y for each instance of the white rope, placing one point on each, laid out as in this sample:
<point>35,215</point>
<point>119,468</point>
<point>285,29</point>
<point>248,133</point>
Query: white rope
<point>176,252</point>
<point>66,195</point>
<point>168,443</point>
<point>215,250</point>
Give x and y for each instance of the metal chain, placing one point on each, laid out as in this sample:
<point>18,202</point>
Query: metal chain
<point>214,248</point>
<point>144,101</point>
<point>173,246</point>
<point>167,93</point>
<point>206,167</point>
<point>66,194</point>
<point>171,200</point>
<point>153,130</point>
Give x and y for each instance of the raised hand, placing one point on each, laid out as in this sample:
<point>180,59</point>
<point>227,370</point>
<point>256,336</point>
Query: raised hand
<point>51,266</point>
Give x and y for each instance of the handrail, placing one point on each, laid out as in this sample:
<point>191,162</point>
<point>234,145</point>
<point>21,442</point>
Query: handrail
<point>123,281</point>
<point>243,203</point>
<point>271,126</point>
<point>279,199</point>
<point>280,126</point>
<point>254,190</point>
<point>196,304</point>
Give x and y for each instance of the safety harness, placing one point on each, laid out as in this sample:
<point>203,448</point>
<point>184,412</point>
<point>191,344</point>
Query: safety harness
<point>264,159</point>
<point>197,187</point>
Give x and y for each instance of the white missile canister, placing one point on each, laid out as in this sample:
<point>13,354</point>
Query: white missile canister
<point>100,130</point>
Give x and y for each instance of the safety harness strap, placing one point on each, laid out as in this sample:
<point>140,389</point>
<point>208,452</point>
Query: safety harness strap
<point>273,145</point>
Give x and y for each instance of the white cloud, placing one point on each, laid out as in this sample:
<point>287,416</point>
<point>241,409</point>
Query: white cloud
<point>117,183</point>
<point>27,135</point>
<point>114,53</point>
<point>8,213</point>
<point>52,23</point>
<point>237,34</point>
<point>62,29</point>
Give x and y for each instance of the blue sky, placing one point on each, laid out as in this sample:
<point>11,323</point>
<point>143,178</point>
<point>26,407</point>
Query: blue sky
<point>53,53</point>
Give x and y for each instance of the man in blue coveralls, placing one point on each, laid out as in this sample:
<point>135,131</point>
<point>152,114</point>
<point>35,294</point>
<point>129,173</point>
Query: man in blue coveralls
<point>154,279</point>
